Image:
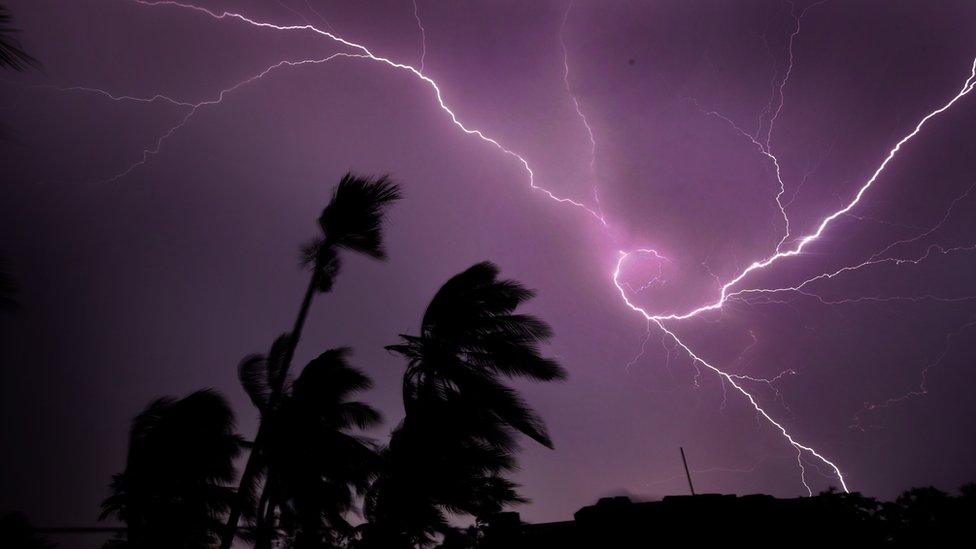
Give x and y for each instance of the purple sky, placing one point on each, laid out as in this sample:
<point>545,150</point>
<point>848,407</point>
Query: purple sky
<point>158,281</point>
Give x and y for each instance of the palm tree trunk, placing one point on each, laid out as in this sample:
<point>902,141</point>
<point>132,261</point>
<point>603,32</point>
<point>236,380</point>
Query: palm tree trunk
<point>296,334</point>
<point>250,468</point>
<point>265,516</point>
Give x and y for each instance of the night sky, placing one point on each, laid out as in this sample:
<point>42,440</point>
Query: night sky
<point>156,240</point>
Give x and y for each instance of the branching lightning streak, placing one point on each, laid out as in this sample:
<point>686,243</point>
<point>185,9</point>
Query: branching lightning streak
<point>643,348</point>
<point>758,265</point>
<point>767,149</point>
<point>933,229</point>
<point>366,54</point>
<point>769,382</point>
<point>741,470</point>
<point>863,299</point>
<point>933,249</point>
<point>656,279</point>
<point>764,150</point>
<point>119,98</point>
<point>579,109</point>
<point>802,242</point>
<point>781,97</point>
<point>765,145</point>
<point>423,35</point>
<point>194,107</point>
<point>319,15</point>
<point>922,388</point>
<point>293,10</point>
<point>877,259</point>
<point>759,410</point>
<point>725,291</point>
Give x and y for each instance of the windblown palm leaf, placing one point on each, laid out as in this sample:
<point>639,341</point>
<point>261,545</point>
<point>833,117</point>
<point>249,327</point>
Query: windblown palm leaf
<point>12,54</point>
<point>257,372</point>
<point>353,219</point>
<point>457,442</point>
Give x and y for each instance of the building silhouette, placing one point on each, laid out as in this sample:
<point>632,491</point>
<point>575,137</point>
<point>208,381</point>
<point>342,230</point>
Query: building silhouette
<point>756,520</point>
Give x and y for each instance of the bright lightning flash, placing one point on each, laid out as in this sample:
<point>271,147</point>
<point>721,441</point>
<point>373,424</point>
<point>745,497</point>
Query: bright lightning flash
<point>727,291</point>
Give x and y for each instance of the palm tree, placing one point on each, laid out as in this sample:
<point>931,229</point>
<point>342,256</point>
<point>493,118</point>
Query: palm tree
<point>351,221</point>
<point>314,466</point>
<point>12,54</point>
<point>457,441</point>
<point>174,490</point>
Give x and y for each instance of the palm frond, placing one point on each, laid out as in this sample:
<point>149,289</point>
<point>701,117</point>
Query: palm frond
<point>253,375</point>
<point>471,297</point>
<point>330,377</point>
<point>12,54</point>
<point>353,218</point>
<point>459,437</point>
<point>276,357</point>
<point>358,414</point>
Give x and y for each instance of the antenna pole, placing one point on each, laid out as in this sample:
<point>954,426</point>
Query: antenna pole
<point>687,473</point>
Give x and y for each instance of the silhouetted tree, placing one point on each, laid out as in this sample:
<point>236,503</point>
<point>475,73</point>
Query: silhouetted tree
<point>351,221</point>
<point>858,516</point>
<point>12,54</point>
<point>456,443</point>
<point>174,491</point>
<point>16,532</point>
<point>314,465</point>
<point>922,517</point>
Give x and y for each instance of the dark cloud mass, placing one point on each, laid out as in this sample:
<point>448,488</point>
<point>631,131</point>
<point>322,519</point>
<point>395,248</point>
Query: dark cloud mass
<point>158,281</point>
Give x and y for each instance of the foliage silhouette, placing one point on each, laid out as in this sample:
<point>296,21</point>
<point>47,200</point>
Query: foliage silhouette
<point>174,491</point>
<point>351,221</point>
<point>456,443</point>
<point>930,517</point>
<point>313,466</point>
<point>12,54</point>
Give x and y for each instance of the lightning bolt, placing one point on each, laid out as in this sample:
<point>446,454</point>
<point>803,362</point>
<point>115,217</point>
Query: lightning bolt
<point>726,291</point>
<point>579,109</point>
<point>922,388</point>
<point>781,96</point>
<point>423,35</point>
<point>643,349</point>
<point>195,107</point>
<point>118,98</point>
<point>802,243</point>
<point>365,54</point>
<point>735,470</point>
<point>318,14</point>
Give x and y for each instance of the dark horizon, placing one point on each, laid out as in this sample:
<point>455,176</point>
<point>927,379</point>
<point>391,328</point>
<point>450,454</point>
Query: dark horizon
<point>146,278</point>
